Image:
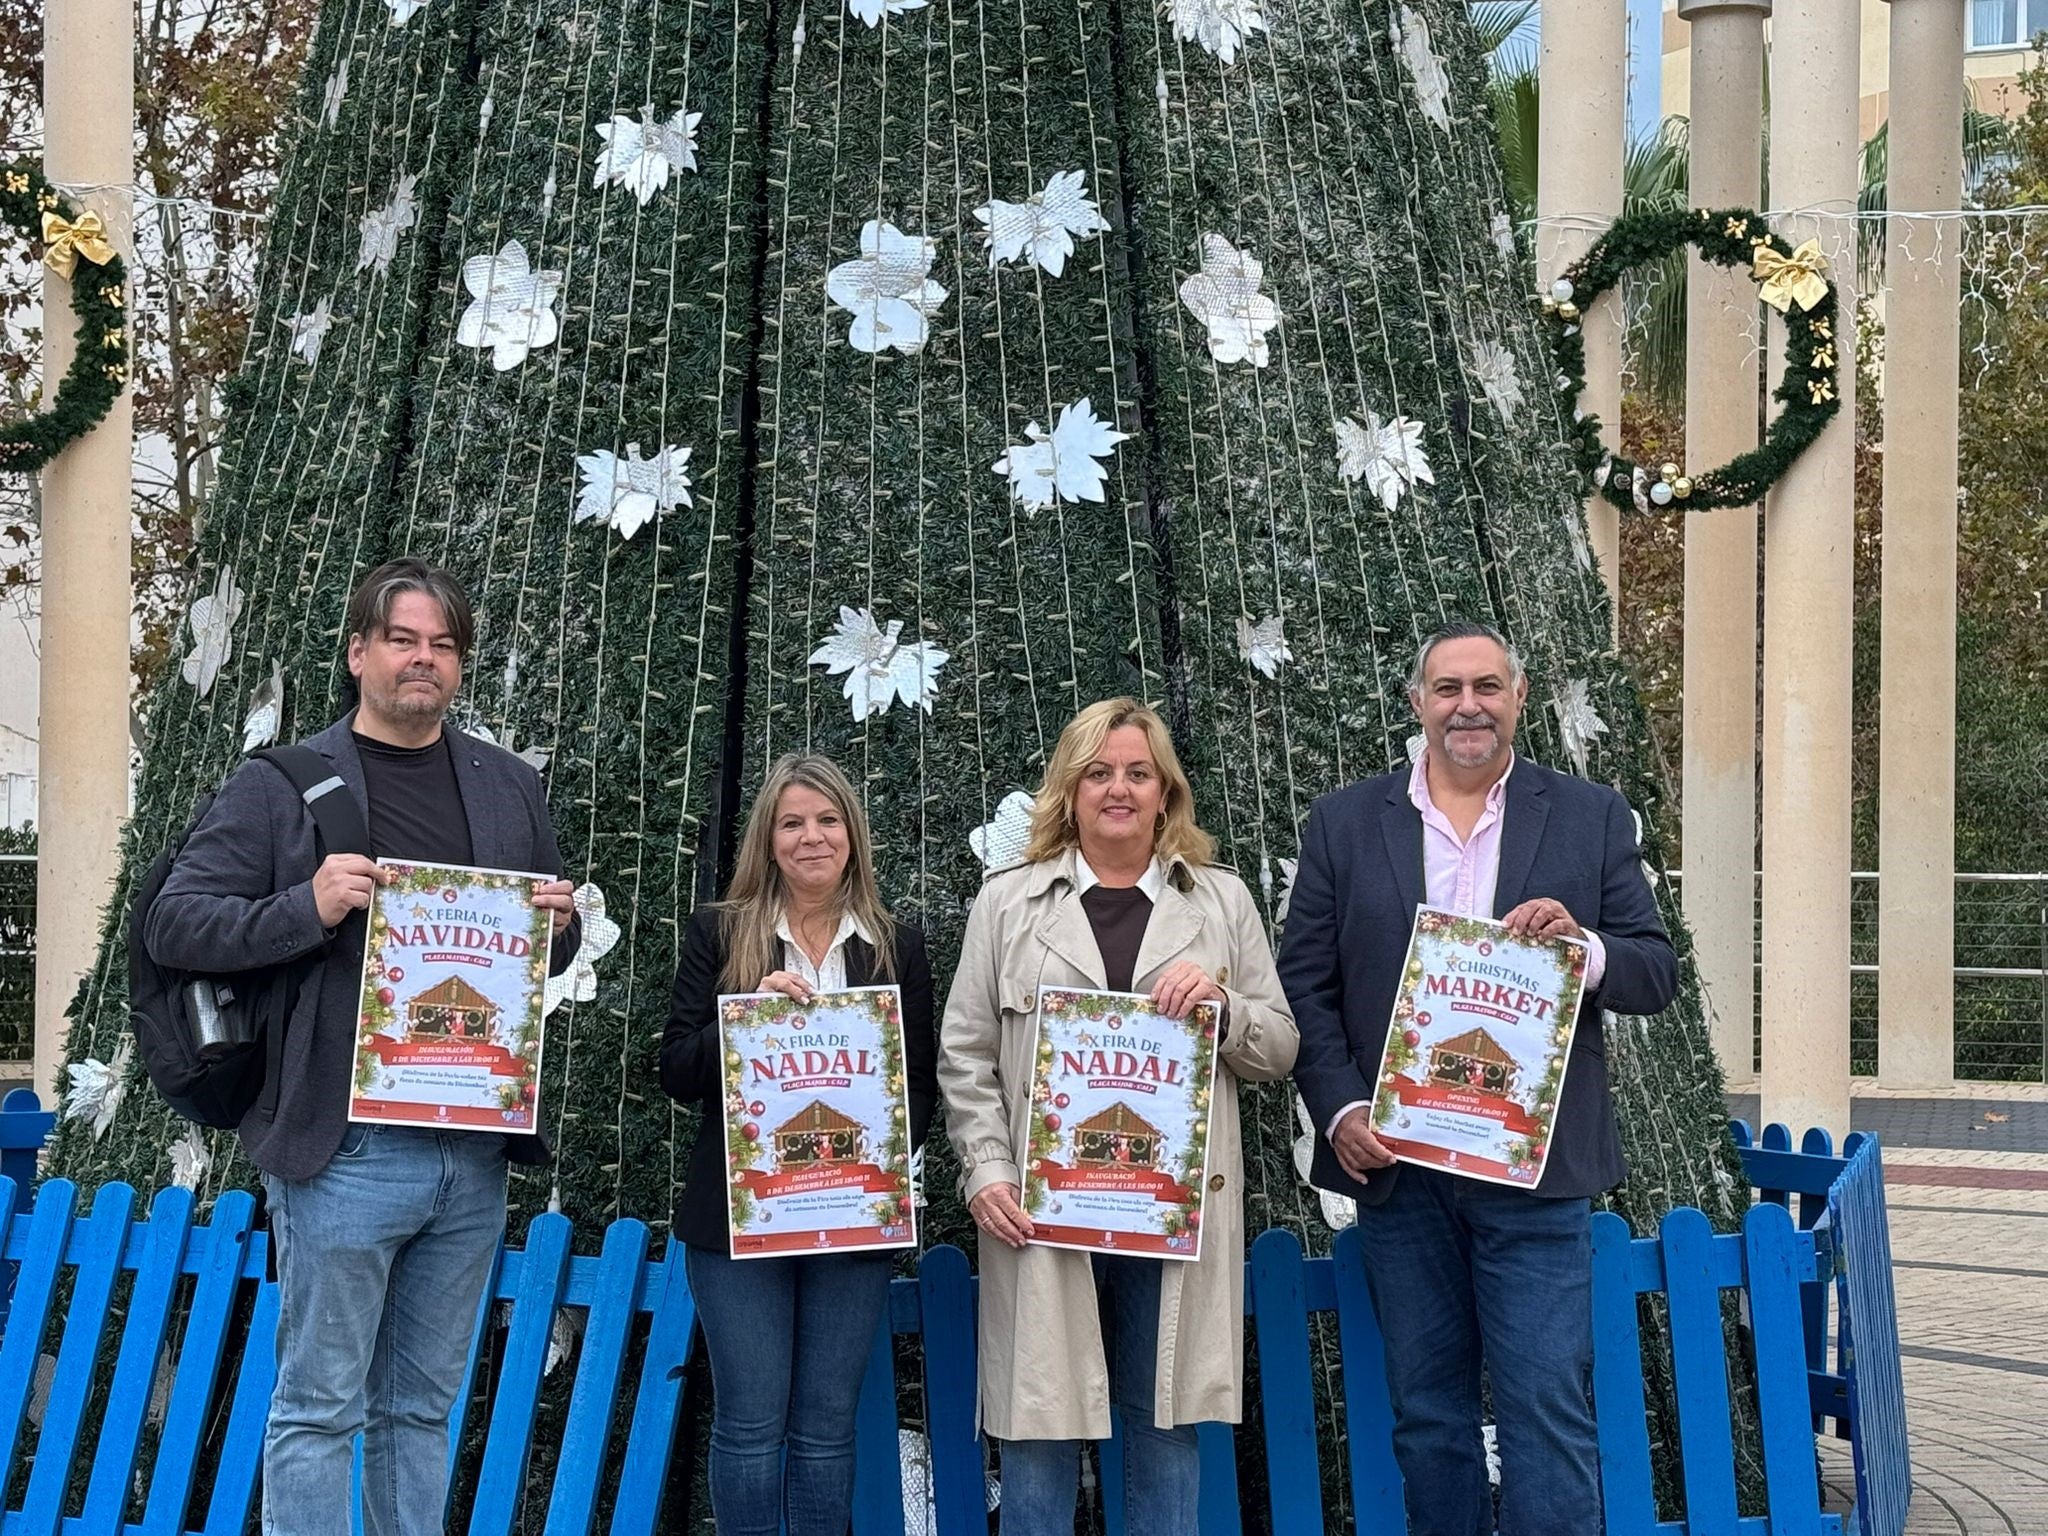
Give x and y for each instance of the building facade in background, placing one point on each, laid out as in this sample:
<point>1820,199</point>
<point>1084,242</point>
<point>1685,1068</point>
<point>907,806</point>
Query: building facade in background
<point>1996,43</point>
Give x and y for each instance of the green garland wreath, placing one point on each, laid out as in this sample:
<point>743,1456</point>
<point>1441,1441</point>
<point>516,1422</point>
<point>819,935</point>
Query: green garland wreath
<point>99,367</point>
<point>1728,237</point>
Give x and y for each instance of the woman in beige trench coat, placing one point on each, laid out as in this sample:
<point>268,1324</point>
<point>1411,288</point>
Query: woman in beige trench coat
<point>1116,892</point>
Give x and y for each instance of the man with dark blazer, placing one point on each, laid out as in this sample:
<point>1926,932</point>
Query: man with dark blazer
<point>383,1236</point>
<point>1464,1272</point>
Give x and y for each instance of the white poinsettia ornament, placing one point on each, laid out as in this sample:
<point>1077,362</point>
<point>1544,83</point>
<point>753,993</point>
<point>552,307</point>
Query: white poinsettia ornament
<point>1043,227</point>
<point>1221,26</point>
<point>266,711</point>
<point>999,843</point>
<point>600,934</point>
<point>1263,644</point>
<point>1225,297</point>
<point>1279,888</point>
<point>1065,465</point>
<point>640,155</point>
<point>1388,456</point>
<point>403,11</point>
<point>881,669</point>
<point>1432,85</point>
<point>189,1159</point>
<point>1339,1211</point>
<point>333,94</point>
<point>380,228</point>
<point>512,307</point>
<point>628,493</point>
<point>872,11</point>
<point>535,758</point>
<point>1503,231</point>
<point>309,330</point>
<point>1493,369</point>
<point>96,1088</point>
<point>1578,722</point>
<point>212,618</point>
<point>1417,745</point>
<point>888,289</point>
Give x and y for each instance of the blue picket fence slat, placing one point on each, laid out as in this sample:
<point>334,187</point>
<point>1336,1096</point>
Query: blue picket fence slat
<point>1818,1232</point>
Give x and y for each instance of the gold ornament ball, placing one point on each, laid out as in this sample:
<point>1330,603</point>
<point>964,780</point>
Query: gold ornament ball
<point>1568,311</point>
<point>1682,486</point>
<point>1667,471</point>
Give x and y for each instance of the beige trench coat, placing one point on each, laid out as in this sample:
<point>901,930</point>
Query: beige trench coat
<point>1043,1375</point>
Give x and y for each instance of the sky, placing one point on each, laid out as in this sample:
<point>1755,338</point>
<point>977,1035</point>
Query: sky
<point>1645,62</point>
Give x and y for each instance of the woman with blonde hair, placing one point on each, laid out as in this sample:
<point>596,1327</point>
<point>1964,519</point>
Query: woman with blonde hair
<point>788,1336</point>
<point>1117,891</point>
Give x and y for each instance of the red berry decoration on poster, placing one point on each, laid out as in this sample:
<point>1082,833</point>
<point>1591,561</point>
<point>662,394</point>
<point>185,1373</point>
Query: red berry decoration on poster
<point>1052,1121</point>
<point>386,996</point>
<point>751,1131</point>
<point>1411,1037</point>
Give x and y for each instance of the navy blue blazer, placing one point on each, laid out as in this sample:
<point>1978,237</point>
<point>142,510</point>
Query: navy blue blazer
<point>1353,904</point>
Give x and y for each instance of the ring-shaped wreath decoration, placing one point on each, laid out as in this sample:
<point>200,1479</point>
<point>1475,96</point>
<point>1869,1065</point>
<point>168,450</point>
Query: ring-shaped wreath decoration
<point>75,247</point>
<point>1791,281</point>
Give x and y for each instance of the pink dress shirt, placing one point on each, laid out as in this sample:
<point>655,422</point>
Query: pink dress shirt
<point>1461,877</point>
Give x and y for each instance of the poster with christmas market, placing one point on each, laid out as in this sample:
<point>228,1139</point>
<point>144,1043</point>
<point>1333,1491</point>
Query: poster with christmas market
<point>1119,1153</point>
<point>817,1122</point>
<point>449,1032</point>
<point>1474,1065</point>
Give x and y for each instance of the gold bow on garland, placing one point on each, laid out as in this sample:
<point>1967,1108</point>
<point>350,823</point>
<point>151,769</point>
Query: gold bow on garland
<point>1791,279</point>
<point>67,241</point>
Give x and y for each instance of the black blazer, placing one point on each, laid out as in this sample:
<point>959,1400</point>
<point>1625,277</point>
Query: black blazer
<point>1348,919</point>
<point>689,1058</point>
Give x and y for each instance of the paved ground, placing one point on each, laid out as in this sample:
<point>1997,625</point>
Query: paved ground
<point>1968,1194</point>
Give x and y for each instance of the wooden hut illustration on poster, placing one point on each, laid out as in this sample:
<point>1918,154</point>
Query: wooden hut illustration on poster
<point>1117,1137</point>
<point>1474,1060</point>
<point>818,1135</point>
<point>452,1007</point>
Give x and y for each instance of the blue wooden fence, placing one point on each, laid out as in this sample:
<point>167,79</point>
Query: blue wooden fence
<point>195,1295</point>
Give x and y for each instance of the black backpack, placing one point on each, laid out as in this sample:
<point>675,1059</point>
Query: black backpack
<point>211,1042</point>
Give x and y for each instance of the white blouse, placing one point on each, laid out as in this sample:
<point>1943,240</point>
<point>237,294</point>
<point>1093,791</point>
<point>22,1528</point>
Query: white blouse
<point>831,975</point>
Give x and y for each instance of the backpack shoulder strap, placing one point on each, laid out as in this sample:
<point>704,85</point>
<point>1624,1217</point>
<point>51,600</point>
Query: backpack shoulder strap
<point>333,808</point>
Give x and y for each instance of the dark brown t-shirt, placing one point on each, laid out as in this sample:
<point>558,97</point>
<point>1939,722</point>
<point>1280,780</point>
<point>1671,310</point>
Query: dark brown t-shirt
<point>1118,914</point>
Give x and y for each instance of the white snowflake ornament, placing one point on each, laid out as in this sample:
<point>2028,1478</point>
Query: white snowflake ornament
<point>1000,843</point>
<point>212,619</point>
<point>1220,26</point>
<point>1575,535</point>
<point>640,155</point>
<point>1279,889</point>
<point>309,330</point>
<point>380,228</point>
<point>628,493</point>
<point>600,934</point>
<point>1062,466</point>
<point>1388,456</point>
<point>1339,1211</point>
<point>1502,229</point>
<point>535,758</point>
<point>511,306</point>
<point>189,1159</point>
<point>1263,644</point>
<point>266,711</point>
<point>1432,85</point>
<point>880,669</point>
<point>1493,368</point>
<point>872,11</point>
<point>1043,227</point>
<point>1225,297</point>
<point>888,289</point>
<point>403,11</point>
<point>333,94</point>
<point>1578,722</point>
<point>97,1087</point>
<point>1416,746</point>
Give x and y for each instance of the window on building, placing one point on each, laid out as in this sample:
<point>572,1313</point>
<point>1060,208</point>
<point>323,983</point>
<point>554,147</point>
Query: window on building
<point>2006,23</point>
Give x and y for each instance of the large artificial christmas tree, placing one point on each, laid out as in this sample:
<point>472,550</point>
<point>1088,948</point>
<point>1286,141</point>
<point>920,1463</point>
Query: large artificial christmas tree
<point>891,378</point>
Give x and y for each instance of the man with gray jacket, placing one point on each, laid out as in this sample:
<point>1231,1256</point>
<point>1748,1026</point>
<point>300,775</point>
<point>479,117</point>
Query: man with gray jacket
<point>383,1236</point>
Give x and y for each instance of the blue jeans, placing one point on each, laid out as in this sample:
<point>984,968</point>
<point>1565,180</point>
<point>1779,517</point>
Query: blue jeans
<point>789,1341</point>
<point>382,1257</point>
<point>1162,1467</point>
<point>1459,1269</point>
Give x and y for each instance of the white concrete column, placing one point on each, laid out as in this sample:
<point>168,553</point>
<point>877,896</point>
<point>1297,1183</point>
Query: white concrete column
<point>1726,52</point>
<point>1809,530</point>
<point>1917,755</point>
<point>1583,64</point>
<point>82,760</point>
